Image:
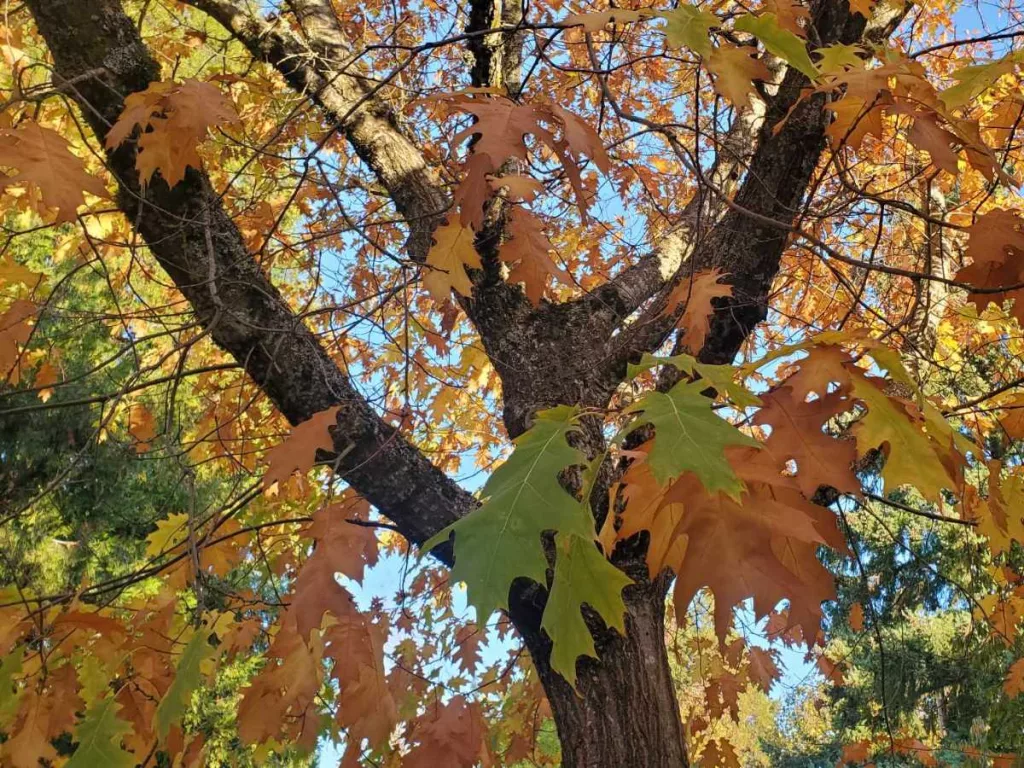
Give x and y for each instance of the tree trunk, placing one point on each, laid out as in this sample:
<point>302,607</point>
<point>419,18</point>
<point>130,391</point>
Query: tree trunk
<point>626,712</point>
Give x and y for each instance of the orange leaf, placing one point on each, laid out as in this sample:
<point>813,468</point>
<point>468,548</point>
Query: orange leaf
<point>45,162</point>
<point>297,453</point>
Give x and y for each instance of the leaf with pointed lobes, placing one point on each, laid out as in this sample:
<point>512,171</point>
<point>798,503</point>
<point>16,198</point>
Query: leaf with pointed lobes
<point>735,68</point>
<point>853,120</point>
<point>896,426</point>
<point>974,80</point>
<point>173,119</point>
<point>501,540</point>
<point>582,575</point>
<point>99,737</point>
<point>141,426</point>
<point>1013,685</point>
<point>789,14</point>
<point>447,259</point>
<point>45,163</point>
<point>690,27</point>
<point>926,134</point>
<point>297,453</point>
<point>797,434</point>
<point>1000,517</point>
<point>697,294</point>
<point>187,678</point>
<point>762,667</point>
<point>348,547</point>
<point>528,250</point>
<point>15,331</point>
<point>366,708</point>
<point>995,245</point>
<point>856,753</point>
<point>468,639</point>
<point>761,545</point>
<point>502,125</point>
<point>719,753</point>
<point>43,717</point>
<point>778,41</point>
<point>453,735</point>
<point>690,437</point>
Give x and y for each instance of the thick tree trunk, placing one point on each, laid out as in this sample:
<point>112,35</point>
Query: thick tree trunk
<point>625,713</point>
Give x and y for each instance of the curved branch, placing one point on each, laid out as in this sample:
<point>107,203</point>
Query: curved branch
<point>198,245</point>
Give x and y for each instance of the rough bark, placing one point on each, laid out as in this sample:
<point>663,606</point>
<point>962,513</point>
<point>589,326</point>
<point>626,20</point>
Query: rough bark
<point>191,236</point>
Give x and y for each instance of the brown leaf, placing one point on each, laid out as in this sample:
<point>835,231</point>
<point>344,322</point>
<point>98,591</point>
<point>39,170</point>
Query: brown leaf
<point>735,68</point>
<point>1013,685</point>
<point>297,453</point>
<point>697,294</point>
<point>44,161</point>
<point>528,251</point>
<point>173,119</point>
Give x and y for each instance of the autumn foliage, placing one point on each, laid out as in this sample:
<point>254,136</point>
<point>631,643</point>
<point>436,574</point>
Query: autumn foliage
<point>559,316</point>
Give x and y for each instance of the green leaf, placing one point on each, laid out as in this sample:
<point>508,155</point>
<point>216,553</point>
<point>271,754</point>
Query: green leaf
<point>9,695</point>
<point>99,738</point>
<point>976,79</point>
<point>690,437</point>
<point>582,575</point>
<point>837,57</point>
<point>501,540</point>
<point>778,41</point>
<point>186,679</point>
<point>721,377</point>
<point>690,27</point>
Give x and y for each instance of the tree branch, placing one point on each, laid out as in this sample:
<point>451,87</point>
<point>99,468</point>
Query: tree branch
<point>194,240</point>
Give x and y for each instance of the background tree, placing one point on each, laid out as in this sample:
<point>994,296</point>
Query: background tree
<point>382,240</point>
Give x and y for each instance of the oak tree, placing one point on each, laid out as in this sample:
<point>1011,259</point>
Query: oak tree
<point>696,291</point>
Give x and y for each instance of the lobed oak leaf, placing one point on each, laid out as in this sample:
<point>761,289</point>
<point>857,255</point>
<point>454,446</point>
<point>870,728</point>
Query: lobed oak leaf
<point>452,252</point>
<point>821,460</point>
<point>528,251</point>
<point>44,161</point>
<point>501,540</point>
<point>174,119</point>
<point>853,120</point>
<point>778,41</point>
<point>734,69</point>
<point>697,295</point>
<point>789,14</point>
<point>690,437</point>
<point>141,426</point>
<point>99,736</point>
<point>690,27</point>
<point>926,134</point>
<point>468,639</point>
<point>863,7</point>
<point>11,273</point>
<point>187,678</point>
<point>595,22</point>
<point>858,753</point>
<point>582,575</point>
<point>15,331</point>
<point>975,79</point>
<point>995,244</point>
<point>719,753</point>
<point>762,668</point>
<point>452,734</point>
<point>297,453</point>
<point>348,547</point>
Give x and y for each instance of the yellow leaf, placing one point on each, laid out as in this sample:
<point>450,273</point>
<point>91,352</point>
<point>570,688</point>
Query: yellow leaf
<point>447,260</point>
